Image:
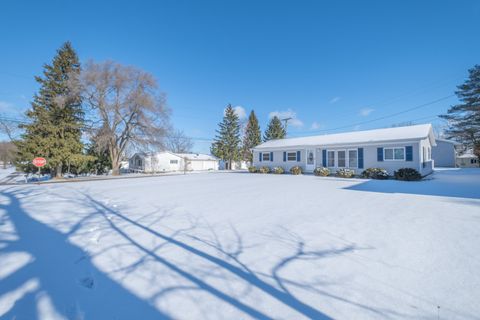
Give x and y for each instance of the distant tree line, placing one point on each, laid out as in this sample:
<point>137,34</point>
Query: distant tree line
<point>230,146</point>
<point>86,119</point>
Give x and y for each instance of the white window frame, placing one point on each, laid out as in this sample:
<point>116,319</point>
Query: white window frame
<point>345,158</point>
<point>393,148</point>
<point>290,152</point>
<point>348,157</point>
<point>334,159</point>
<point>263,156</point>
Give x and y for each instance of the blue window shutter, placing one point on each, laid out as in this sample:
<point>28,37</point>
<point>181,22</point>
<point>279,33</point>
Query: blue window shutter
<point>284,156</point>
<point>260,156</point>
<point>379,154</point>
<point>360,158</point>
<point>324,157</point>
<point>298,156</point>
<point>409,153</point>
<point>271,156</point>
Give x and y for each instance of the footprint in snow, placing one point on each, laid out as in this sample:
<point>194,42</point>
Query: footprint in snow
<point>87,282</point>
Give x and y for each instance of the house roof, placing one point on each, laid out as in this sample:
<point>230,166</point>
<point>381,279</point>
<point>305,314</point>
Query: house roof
<point>416,132</point>
<point>197,156</point>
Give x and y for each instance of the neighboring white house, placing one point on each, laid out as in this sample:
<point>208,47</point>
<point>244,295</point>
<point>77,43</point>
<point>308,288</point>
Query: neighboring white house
<point>444,153</point>
<point>199,161</point>
<point>467,160</point>
<point>390,149</point>
<point>168,161</point>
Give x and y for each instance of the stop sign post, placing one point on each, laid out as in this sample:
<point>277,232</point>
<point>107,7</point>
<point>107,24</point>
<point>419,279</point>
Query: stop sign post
<point>39,162</point>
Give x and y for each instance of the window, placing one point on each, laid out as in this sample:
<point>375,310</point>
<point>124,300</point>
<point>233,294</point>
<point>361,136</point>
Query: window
<point>331,158</point>
<point>394,154</point>
<point>352,158</point>
<point>139,162</point>
<point>473,161</point>
<point>292,156</point>
<point>173,161</point>
<point>341,158</point>
<point>266,156</point>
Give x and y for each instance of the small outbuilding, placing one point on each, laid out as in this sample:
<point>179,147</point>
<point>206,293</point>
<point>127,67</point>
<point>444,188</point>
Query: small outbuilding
<point>445,152</point>
<point>467,160</point>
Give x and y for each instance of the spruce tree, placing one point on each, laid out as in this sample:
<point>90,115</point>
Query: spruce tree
<point>464,118</point>
<point>275,130</point>
<point>226,145</point>
<point>56,117</point>
<point>252,137</point>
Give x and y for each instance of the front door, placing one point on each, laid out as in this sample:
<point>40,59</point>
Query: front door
<point>310,160</point>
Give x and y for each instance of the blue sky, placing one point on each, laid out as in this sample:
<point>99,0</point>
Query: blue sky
<point>332,65</point>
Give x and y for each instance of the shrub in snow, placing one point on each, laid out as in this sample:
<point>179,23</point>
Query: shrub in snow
<point>345,173</point>
<point>264,170</point>
<point>407,174</point>
<point>278,170</point>
<point>321,171</point>
<point>375,173</point>
<point>252,169</point>
<point>296,170</point>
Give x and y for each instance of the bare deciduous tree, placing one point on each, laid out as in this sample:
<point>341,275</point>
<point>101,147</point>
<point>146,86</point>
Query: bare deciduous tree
<point>178,142</point>
<point>7,153</point>
<point>125,107</point>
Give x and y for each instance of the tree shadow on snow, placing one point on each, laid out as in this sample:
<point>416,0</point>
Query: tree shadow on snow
<point>59,279</point>
<point>66,282</point>
<point>229,261</point>
<point>462,183</point>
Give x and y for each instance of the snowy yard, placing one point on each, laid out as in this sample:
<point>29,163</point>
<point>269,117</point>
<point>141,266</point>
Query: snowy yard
<point>238,245</point>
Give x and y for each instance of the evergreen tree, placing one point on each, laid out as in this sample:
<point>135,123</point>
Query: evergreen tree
<point>275,130</point>
<point>252,137</point>
<point>56,117</point>
<point>226,145</point>
<point>464,118</point>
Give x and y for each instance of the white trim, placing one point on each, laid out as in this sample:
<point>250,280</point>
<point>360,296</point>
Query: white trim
<point>393,148</point>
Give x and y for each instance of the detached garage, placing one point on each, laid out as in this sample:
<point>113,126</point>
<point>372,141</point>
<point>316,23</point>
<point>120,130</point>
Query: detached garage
<point>444,153</point>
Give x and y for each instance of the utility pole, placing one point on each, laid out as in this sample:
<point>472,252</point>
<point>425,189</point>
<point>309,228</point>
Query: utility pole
<point>286,123</point>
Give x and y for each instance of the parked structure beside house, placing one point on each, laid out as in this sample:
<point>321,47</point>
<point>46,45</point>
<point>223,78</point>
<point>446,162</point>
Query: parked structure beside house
<point>168,161</point>
<point>467,160</point>
<point>390,149</point>
<point>236,165</point>
<point>445,153</point>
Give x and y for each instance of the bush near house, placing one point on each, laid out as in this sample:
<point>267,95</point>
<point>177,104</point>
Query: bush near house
<point>345,173</point>
<point>278,170</point>
<point>321,171</point>
<point>296,170</point>
<point>407,174</point>
<point>252,169</point>
<point>264,170</point>
<point>375,173</point>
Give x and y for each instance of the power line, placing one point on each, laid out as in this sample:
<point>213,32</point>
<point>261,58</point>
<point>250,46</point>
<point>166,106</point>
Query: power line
<point>385,117</point>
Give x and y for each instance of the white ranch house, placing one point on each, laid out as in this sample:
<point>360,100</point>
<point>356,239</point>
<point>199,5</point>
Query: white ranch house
<point>168,161</point>
<point>390,149</point>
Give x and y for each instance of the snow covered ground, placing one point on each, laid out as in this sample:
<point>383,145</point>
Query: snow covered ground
<point>240,246</point>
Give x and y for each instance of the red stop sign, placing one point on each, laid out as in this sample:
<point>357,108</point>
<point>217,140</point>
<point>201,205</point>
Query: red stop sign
<point>39,162</point>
